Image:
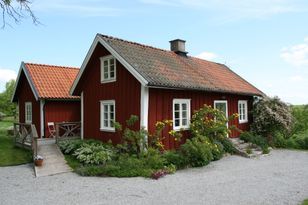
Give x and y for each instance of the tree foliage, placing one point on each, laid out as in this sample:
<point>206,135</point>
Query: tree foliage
<point>16,10</point>
<point>271,115</point>
<point>6,106</point>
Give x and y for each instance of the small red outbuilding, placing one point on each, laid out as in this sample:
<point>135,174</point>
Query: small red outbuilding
<point>42,95</point>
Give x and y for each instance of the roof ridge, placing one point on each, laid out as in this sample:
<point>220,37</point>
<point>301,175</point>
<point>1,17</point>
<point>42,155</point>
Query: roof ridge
<point>49,65</point>
<point>135,43</point>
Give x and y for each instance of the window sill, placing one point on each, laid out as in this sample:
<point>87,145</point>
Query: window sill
<point>243,121</point>
<point>107,130</point>
<point>180,128</point>
<point>108,81</point>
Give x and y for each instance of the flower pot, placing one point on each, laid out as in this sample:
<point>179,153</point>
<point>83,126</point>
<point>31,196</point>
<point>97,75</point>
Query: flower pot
<point>38,162</point>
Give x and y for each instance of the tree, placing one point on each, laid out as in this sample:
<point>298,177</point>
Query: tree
<point>271,116</point>
<point>6,106</point>
<point>16,10</point>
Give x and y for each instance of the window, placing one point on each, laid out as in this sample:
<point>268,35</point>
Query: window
<point>108,69</point>
<point>28,112</point>
<point>242,111</point>
<point>108,115</point>
<point>181,114</point>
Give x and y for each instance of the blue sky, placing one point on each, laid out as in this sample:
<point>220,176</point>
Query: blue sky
<point>264,41</point>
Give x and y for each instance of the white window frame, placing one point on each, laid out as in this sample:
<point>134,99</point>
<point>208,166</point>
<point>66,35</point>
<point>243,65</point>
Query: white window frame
<point>181,101</point>
<point>243,117</point>
<point>109,79</point>
<point>107,128</point>
<point>28,115</point>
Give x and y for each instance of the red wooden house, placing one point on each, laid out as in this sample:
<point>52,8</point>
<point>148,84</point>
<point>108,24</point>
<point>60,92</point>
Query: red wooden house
<point>42,95</point>
<point>119,78</point>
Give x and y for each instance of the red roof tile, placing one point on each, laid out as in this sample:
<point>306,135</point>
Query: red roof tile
<point>163,68</point>
<point>52,82</point>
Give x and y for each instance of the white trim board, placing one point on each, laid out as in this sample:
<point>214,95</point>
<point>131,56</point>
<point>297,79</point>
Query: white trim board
<point>82,116</point>
<point>42,114</point>
<point>114,53</point>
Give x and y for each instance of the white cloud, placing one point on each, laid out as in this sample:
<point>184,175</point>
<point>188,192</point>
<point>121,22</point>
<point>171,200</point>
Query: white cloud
<point>296,78</point>
<point>207,56</point>
<point>6,75</point>
<point>296,55</point>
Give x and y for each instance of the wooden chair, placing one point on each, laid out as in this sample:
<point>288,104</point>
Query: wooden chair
<point>51,129</point>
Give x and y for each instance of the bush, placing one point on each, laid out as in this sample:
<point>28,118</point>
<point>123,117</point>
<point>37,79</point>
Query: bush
<point>271,115</point>
<point>153,159</point>
<point>217,150</point>
<point>254,139</point>
<point>69,146</point>
<point>227,145</point>
<point>197,151</point>
<point>93,153</point>
<point>175,158</point>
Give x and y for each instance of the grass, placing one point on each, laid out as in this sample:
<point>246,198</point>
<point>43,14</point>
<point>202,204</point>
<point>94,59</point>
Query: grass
<point>305,202</point>
<point>9,154</point>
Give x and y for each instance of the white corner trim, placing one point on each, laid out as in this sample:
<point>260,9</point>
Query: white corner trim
<point>118,57</point>
<point>144,107</point>
<point>23,68</point>
<point>82,116</point>
<point>42,103</point>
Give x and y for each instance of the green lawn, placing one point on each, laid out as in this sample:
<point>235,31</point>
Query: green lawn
<point>9,154</point>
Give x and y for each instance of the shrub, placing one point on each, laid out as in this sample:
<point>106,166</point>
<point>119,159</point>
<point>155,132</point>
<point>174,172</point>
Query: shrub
<point>69,146</point>
<point>175,158</point>
<point>197,151</point>
<point>210,122</point>
<point>92,170</point>
<point>254,139</point>
<point>153,159</point>
<point>93,154</point>
<point>217,150</point>
<point>271,115</point>
<point>227,145</point>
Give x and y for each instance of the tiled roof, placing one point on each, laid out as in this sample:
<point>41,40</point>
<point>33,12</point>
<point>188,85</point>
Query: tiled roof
<point>52,82</point>
<point>163,68</point>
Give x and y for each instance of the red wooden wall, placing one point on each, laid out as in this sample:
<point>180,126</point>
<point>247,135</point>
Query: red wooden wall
<point>125,91</point>
<point>25,94</point>
<point>160,108</point>
<point>61,111</point>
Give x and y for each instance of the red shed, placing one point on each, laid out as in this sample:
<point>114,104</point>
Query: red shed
<point>42,95</point>
<point>119,78</point>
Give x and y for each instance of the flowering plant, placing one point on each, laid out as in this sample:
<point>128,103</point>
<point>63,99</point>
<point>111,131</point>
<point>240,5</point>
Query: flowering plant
<point>38,157</point>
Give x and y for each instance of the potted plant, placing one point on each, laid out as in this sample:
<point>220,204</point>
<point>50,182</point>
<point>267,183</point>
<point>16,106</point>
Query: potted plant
<point>38,160</point>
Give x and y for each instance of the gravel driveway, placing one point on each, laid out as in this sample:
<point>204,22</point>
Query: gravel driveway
<point>279,178</point>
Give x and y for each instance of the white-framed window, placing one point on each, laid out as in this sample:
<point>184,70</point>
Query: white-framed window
<point>108,69</point>
<point>181,114</point>
<point>107,115</point>
<point>28,112</point>
<point>242,111</point>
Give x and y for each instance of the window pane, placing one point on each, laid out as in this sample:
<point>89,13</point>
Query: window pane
<point>111,123</point>
<point>112,74</point>
<point>105,115</point>
<point>105,75</point>
<point>105,108</point>
<point>184,106</point>
<point>176,106</point>
<point>111,116</point>
<point>106,63</point>
<point>184,114</point>
<point>177,123</point>
<point>176,115</point>
<point>111,61</point>
<point>184,122</point>
<point>105,123</point>
<point>111,108</point>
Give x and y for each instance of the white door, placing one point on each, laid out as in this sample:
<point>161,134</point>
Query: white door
<point>222,105</point>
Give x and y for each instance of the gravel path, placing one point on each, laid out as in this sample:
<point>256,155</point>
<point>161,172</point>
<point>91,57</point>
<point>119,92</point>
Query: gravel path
<point>279,178</point>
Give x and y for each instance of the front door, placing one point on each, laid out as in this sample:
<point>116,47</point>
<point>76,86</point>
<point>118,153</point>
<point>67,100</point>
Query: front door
<point>222,105</point>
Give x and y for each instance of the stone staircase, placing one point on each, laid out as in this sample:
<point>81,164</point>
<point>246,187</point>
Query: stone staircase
<point>246,149</point>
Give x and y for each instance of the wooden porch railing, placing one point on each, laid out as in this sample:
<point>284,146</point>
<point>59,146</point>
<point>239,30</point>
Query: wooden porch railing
<point>25,136</point>
<point>67,130</point>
